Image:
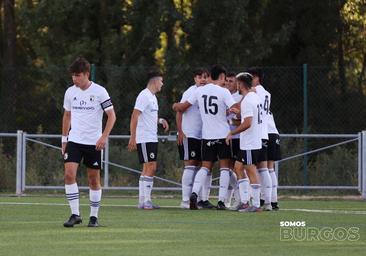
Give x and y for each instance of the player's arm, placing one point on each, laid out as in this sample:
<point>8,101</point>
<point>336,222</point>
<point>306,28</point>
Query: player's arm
<point>66,124</point>
<point>242,127</point>
<point>178,120</point>
<point>133,125</point>
<point>164,123</point>
<point>181,107</point>
<point>111,119</point>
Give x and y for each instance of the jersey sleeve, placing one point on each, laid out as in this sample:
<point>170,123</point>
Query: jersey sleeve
<point>106,101</point>
<point>229,100</point>
<point>67,101</point>
<point>192,99</point>
<point>248,108</point>
<point>185,96</point>
<point>141,102</point>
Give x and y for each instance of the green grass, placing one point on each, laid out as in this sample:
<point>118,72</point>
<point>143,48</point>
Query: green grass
<point>37,229</point>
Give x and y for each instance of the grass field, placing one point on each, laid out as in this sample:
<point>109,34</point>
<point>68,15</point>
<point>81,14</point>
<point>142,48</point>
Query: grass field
<point>33,226</point>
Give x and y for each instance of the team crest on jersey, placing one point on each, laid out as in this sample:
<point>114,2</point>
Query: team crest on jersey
<point>152,155</point>
<point>193,153</point>
<point>66,156</point>
<point>91,98</point>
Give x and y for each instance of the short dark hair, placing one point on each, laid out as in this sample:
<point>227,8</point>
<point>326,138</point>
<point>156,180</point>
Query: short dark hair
<point>153,72</point>
<point>256,71</point>
<point>246,78</point>
<point>79,65</point>
<point>199,71</point>
<point>231,74</point>
<point>216,71</point>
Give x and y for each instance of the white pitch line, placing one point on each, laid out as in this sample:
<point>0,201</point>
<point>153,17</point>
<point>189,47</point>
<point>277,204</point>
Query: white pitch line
<point>177,207</point>
<point>326,211</point>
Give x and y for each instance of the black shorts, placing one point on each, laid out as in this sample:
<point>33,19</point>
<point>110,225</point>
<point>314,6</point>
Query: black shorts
<point>248,157</point>
<point>212,150</point>
<point>274,149</point>
<point>147,152</point>
<point>190,150</point>
<point>76,152</point>
<point>263,153</point>
<point>235,147</point>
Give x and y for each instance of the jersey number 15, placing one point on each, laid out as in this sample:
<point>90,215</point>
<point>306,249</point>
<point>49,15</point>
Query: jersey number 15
<point>210,104</point>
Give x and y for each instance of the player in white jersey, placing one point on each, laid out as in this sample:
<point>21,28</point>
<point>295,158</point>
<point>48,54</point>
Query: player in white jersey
<point>189,125</point>
<point>274,154</point>
<point>144,136</point>
<point>250,143</point>
<point>213,101</point>
<point>235,147</point>
<point>262,165</point>
<point>84,105</point>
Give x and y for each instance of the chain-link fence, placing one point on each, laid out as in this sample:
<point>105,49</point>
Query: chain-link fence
<point>313,100</point>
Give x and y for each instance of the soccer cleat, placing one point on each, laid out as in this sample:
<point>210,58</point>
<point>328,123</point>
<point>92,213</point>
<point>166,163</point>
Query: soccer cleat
<point>220,205</point>
<point>184,205</point>
<point>93,222</point>
<point>150,206</point>
<point>235,206</point>
<point>267,207</point>
<point>193,201</point>
<point>275,206</point>
<point>74,219</point>
<point>207,205</point>
<point>200,204</point>
<point>239,206</point>
<point>261,202</point>
<point>251,209</point>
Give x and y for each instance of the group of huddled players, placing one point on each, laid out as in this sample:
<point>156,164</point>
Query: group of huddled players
<point>223,117</point>
<point>226,117</point>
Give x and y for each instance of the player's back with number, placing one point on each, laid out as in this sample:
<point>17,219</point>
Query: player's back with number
<point>213,101</point>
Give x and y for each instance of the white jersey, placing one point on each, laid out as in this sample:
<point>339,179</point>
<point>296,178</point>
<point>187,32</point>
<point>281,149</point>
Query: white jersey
<point>147,123</point>
<point>265,98</point>
<point>191,118</point>
<point>86,107</point>
<point>251,138</point>
<point>213,101</point>
<point>272,129</point>
<point>237,97</point>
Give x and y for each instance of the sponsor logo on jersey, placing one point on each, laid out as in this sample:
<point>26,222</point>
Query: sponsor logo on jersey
<point>152,155</point>
<point>82,103</point>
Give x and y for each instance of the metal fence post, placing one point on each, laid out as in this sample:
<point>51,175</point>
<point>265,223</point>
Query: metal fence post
<point>363,174</point>
<point>24,159</point>
<point>19,175</point>
<point>359,160</point>
<point>305,129</point>
<point>106,164</point>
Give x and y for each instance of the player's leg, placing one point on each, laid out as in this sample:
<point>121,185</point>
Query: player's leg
<point>250,162</point>
<point>243,184</point>
<point>93,162</point>
<point>72,158</point>
<point>274,154</point>
<point>233,189</point>
<point>224,153</point>
<point>265,178</point>
<point>190,153</point>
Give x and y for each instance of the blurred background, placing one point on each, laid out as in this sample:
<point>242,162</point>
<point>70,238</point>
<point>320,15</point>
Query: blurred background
<point>313,54</point>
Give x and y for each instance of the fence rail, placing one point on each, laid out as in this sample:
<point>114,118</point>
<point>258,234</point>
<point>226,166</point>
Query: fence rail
<point>23,138</point>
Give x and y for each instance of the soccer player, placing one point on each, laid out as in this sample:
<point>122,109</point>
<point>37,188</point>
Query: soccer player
<point>250,131</point>
<point>213,102</point>
<point>274,154</point>
<point>144,138</point>
<point>234,122</point>
<point>82,137</point>
<point>189,125</point>
<point>262,165</point>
